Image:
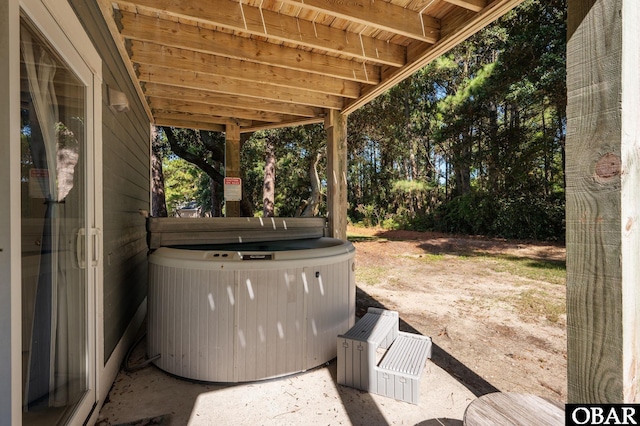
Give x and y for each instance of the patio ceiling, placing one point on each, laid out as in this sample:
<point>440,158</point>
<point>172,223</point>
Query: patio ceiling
<point>261,64</point>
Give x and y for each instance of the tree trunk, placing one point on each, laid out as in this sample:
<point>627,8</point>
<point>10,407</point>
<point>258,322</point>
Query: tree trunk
<point>493,174</point>
<point>313,205</point>
<point>268,186</point>
<point>412,172</point>
<point>216,199</point>
<point>158,201</point>
<point>246,204</point>
<point>462,164</point>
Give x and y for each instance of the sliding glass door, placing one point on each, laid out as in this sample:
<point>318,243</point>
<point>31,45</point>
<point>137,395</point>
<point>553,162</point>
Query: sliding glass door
<point>59,250</point>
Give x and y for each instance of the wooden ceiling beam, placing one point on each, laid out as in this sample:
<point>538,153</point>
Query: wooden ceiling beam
<point>162,104</point>
<point>190,37</point>
<point>152,90</point>
<point>218,124</point>
<point>230,86</point>
<point>188,124</point>
<point>172,57</point>
<point>473,5</point>
<point>378,14</point>
<point>170,120</point>
<point>266,126</point>
<point>289,29</point>
<point>167,117</point>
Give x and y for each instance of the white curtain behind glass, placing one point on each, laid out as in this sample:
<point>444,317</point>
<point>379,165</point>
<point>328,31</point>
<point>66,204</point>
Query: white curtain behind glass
<point>48,382</point>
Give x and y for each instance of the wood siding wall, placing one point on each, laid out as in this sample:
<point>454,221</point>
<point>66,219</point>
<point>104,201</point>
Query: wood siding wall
<point>126,171</point>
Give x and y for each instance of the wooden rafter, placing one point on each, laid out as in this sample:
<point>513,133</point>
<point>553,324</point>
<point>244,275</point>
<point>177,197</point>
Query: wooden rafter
<point>153,90</point>
<point>231,86</point>
<point>474,5</point>
<point>260,64</point>
<point>144,28</point>
<point>232,15</point>
<point>188,60</point>
<point>379,14</point>
<point>198,108</point>
<point>173,119</point>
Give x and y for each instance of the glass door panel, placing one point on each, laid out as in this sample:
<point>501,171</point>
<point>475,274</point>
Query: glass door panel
<point>56,361</point>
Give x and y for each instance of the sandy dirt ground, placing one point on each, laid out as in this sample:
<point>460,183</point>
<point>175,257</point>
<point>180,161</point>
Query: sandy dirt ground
<point>491,326</point>
<point>495,327</point>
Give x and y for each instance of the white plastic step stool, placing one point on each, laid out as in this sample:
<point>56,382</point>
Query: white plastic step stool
<point>398,373</point>
<point>357,348</point>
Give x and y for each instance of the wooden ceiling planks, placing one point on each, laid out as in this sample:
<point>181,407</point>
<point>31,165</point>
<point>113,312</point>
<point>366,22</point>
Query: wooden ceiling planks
<point>271,63</point>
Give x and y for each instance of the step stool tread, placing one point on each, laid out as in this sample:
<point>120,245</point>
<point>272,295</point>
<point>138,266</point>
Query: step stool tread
<point>407,354</point>
<point>370,328</point>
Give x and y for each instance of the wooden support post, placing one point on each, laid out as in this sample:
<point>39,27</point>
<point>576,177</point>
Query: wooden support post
<point>603,193</point>
<point>336,128</point>
<point>232,164</point>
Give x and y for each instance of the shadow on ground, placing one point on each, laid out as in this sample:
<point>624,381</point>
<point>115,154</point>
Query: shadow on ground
<point>469,246</point>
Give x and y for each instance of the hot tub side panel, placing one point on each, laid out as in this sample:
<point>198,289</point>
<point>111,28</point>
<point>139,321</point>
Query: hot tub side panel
<point>269,323</point>
<point>190,322</point>
<point>242,325</point>
<point>328,310</point>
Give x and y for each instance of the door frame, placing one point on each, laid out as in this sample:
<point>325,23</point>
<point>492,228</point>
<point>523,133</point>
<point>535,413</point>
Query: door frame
<point>57,22</point>
<point>10,244</point>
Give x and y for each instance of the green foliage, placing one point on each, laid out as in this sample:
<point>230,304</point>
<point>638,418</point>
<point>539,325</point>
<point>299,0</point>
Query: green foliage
<point>517,217</point>
<point>471,213</point>
<point>252,163</point>
<point>368,215</point>
<point>526,217</point>
<point>407,188</point>
<point>183,183</point>
<point>202,156</point>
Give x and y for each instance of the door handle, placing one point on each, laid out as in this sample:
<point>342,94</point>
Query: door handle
<point>79,244</point>
<point>95,242</point>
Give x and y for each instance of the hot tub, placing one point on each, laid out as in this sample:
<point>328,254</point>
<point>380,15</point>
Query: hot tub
<point>246,311</point>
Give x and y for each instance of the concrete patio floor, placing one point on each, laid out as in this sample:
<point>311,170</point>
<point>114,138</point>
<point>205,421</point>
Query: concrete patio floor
<point>312,397</point>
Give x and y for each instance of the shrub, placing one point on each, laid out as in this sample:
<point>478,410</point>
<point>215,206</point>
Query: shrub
<point>517,217</point>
